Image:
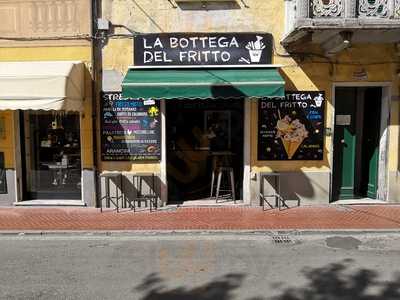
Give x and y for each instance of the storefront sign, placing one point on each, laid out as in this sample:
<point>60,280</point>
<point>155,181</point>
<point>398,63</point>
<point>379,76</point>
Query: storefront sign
<point>292,129</point>
<point>202,49</point>
<point>130,128</point>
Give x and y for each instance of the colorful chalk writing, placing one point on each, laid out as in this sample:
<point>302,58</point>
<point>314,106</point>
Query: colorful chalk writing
<point>130,128</point>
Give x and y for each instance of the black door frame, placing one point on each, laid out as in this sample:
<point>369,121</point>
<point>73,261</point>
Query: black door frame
<point>21,189</point>
<point>246,111</point>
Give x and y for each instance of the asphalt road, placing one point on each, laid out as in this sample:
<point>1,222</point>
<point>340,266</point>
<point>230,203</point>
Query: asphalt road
<point>201,266</point>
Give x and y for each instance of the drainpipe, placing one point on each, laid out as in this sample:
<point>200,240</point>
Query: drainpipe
<point>96,85</point>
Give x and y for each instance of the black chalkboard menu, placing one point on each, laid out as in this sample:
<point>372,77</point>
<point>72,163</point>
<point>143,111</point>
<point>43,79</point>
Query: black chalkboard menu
<point>292,128</point>
<point>130,128</point>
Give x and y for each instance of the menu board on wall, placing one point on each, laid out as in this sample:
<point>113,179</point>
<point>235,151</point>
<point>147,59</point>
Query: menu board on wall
<point>293,128</point>
<point>202,49</point>
<point>130,128</point>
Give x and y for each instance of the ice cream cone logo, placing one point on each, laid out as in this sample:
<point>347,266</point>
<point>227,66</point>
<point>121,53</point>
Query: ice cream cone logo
<point>318,100</point>
<point>291,133</point>
<point>255,49</point>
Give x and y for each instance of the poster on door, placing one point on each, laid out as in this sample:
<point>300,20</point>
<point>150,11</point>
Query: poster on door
<point>130,128</point>
<point>293,128</point>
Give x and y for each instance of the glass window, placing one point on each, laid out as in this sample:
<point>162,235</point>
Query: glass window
<point>52,155</point>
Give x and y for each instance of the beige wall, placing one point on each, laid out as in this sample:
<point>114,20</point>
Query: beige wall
<point>43,19</point>
<point>150,16</point>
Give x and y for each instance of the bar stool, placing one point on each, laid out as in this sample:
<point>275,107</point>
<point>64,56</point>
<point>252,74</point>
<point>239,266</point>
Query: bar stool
<point>141,196</point>
<point>225,175</point>
<point>230,178</point>
<point>276,194</point>
<point>111,199</point>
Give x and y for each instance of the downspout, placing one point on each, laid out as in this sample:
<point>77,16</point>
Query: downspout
<point>96,85</point>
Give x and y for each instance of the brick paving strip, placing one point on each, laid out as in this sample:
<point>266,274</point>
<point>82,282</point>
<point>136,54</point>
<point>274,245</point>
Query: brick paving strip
<point>329,217</point>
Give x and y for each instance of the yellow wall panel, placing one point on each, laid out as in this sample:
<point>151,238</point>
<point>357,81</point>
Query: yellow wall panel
<point>7,141</point>
<point>83,53</point>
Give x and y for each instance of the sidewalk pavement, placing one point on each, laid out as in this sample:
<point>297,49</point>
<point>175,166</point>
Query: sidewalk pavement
<point>324,218</point>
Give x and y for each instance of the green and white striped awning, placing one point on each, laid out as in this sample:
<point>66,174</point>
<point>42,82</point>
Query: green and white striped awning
<point>203,83</point>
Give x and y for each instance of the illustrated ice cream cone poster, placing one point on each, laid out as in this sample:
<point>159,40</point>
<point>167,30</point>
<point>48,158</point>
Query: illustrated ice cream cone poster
<point>292,128</point>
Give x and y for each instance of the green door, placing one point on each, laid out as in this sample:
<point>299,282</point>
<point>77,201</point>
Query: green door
<point>356,143</point>
<point>344,144</point>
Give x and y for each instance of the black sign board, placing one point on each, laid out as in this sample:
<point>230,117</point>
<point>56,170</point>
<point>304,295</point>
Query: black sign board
<point>202,49</point>
<point>130,128</point>
<point>3,182</point>
<point>293,128</point>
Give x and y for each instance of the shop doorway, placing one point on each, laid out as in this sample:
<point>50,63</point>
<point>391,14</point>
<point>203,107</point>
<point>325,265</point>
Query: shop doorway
<point>357,138</point>
<point>51,155</point>
<point>197,130</point>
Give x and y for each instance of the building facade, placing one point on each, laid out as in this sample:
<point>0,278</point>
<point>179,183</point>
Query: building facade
<point>46,145</point>
<point>295,97</point>
<point>343,51</point>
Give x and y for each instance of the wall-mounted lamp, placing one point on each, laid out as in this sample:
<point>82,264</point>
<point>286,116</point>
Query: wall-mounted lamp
<point>338,43</point>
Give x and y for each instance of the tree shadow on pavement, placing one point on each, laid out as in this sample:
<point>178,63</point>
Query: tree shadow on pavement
<point>220,288</point>
<point>336,281</point>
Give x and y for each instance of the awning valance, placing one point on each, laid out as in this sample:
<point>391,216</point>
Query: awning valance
<point>45,85</point>
<point>202,83</point>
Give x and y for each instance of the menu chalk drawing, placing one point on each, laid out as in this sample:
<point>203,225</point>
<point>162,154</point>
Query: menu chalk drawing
<point>130,128</point>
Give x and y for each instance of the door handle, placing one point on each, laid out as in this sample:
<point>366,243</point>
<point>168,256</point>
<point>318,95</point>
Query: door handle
<point>343,142</point>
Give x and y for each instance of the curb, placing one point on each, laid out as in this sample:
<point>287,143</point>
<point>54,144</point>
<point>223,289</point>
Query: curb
<point>149,233</point>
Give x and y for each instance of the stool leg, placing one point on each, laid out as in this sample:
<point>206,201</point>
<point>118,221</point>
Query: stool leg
<point>262,191</point>
<point>153,190</point>
<point>277,192</point>
<point>218,185</point>
<point>116,194</point>
<point>232,185</point>
<point>139,190</point>
<point>212,183</point>
<point>107,184</point>
<point>123,200</point>
<point>150,200</point>
<point>136,193</point>
<point>279,203</point>
<point>101,199</point>
<point>277,200</point>
<point>134,196</point>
